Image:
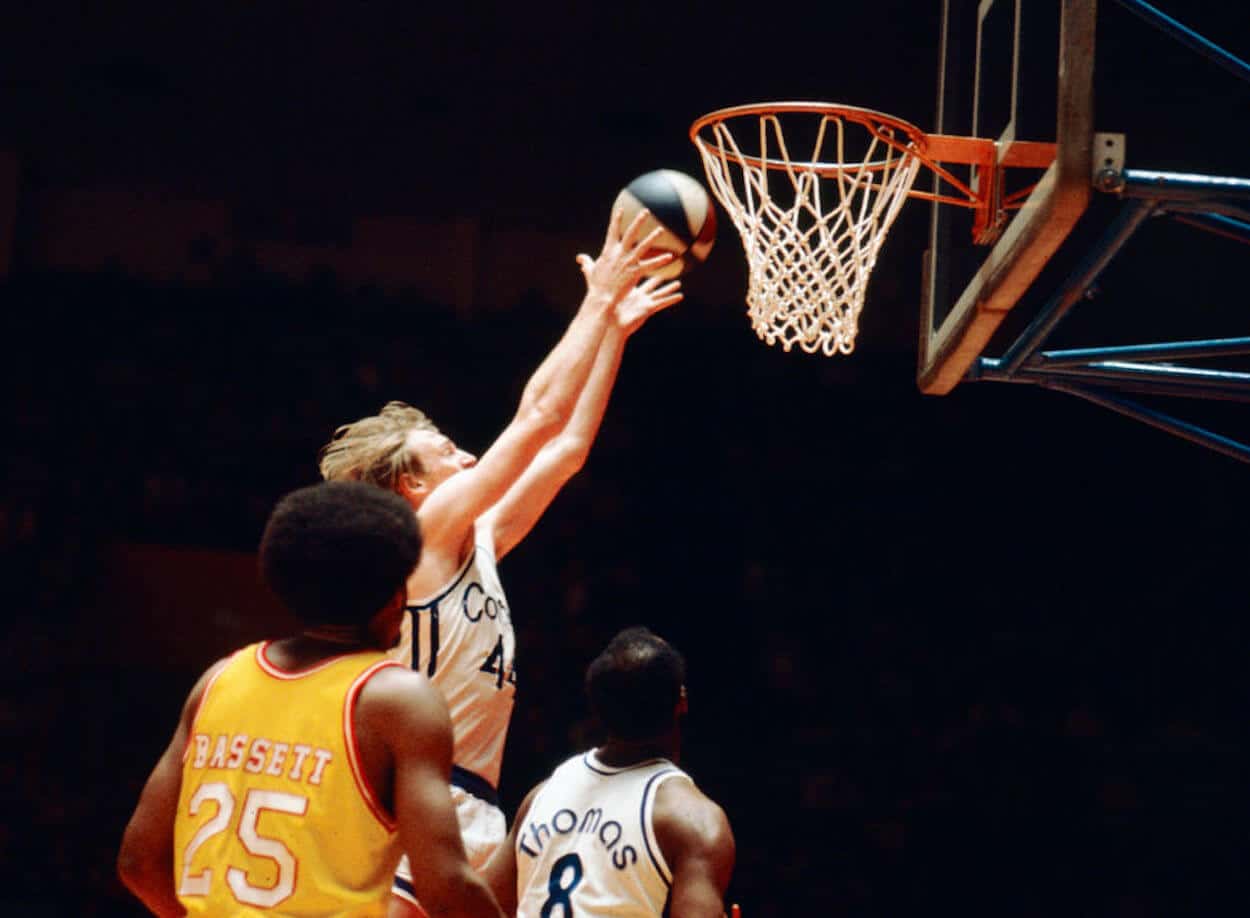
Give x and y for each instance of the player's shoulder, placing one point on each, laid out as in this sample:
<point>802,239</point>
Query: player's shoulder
<point>195,697</point>
<point>215,669</point>
<point>686,819</point>
<point>397,688</point>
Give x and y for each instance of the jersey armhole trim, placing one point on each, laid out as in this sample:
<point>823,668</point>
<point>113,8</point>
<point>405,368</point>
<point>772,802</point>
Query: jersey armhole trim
<point>199,706</point>
<point>646,812</point>
<point>370,798</point>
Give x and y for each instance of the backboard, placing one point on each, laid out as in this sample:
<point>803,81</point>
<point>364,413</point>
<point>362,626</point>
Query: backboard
<point>1012,71</point>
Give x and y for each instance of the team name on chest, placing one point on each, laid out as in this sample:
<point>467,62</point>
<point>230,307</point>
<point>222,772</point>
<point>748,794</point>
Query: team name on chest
<point>476,603</point>
<point>567,822</point>
<point>299,763</point>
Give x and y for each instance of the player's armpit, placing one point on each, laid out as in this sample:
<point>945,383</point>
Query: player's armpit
<point>698,844</point>
<point>452,507</point>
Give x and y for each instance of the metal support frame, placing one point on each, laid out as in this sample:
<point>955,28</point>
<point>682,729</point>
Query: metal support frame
<point>1187,36</point>
<point>1211,203</point>
<point>1202,202</point>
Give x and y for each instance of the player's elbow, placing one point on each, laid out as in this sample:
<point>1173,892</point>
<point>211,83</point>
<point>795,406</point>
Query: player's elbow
<point>569,454</point>
<point>133,869</point>
<point>544,419</point>
<point>126,869</point>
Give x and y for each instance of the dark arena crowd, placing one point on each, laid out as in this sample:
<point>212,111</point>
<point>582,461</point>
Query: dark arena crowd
<point>981,654</point>
<point>915,677</point>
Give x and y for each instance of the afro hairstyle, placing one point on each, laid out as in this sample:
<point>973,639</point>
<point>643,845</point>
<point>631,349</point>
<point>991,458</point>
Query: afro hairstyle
<point>337,552</point>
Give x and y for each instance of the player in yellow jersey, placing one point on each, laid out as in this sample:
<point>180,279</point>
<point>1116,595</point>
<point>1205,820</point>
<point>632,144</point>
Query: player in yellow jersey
<point>301,768</point>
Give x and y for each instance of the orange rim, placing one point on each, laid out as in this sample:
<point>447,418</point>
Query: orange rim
<point>873,121</point>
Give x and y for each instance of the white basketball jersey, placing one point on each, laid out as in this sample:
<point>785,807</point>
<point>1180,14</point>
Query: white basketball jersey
<point>462,639</point>
<point>587,847</point>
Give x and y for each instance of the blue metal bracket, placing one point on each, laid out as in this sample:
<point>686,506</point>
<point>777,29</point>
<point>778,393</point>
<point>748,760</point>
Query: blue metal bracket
<point>1092,373</point>
<point>1187,36</point>
<point>1211,203</point>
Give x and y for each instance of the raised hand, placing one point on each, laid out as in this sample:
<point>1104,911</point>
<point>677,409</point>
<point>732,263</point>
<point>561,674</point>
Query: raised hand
<point>645,300</point>
<point>623,260</point>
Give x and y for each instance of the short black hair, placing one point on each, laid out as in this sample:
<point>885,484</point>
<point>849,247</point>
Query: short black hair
<point>635,684</point>
<point>337,552</point>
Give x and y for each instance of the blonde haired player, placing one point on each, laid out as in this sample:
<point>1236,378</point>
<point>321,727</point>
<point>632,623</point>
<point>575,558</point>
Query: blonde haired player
<point>473,511</point>
<point>301,767</point>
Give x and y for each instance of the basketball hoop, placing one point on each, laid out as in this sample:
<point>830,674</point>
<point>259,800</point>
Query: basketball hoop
<point>813,188</point>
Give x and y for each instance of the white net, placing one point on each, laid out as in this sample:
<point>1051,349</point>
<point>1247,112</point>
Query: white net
<point>811,227</point>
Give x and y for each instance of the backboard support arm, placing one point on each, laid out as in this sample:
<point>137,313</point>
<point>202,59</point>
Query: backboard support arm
<point>1091,373</point>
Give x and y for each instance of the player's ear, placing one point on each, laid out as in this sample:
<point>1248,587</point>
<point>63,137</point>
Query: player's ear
<point>385,626</point>
<point>410,486</point>
<point>683,703</point>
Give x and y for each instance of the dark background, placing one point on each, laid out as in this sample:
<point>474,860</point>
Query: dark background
<point>979,654</point>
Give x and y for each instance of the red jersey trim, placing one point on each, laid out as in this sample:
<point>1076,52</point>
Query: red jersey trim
<point>270,669</point>
<point>199,705</point>
<point>353,751</point>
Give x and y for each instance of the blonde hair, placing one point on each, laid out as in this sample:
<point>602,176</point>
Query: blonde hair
<point>373,449</point>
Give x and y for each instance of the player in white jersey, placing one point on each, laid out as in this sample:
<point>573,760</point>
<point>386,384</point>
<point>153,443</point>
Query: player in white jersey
<point>474,511</point>
<point>620,830</point>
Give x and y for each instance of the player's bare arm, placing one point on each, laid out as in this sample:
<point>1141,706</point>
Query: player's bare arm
<point>563,457</point>
<point>694,836</point>
<point>549,398</point>
<point>500,871</point>
<point>145,862</point>
<point>405,738</point>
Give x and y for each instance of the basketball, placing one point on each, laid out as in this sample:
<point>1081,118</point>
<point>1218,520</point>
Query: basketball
<point>681,206</point>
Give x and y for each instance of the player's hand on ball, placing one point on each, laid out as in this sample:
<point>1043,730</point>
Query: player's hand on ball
<point>645,300</point>
<point>624,258</point>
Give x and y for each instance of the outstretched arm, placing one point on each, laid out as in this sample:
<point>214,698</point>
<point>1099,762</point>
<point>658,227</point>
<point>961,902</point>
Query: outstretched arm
<point>695,838</point>
<point>551,394</point>
<point>402,719</point>
<point>562,458</point>
<point>145,862</point>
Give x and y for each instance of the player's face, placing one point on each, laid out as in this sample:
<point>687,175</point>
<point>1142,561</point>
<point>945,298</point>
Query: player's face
<point>439,456</point>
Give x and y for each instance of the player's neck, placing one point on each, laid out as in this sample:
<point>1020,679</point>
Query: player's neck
<point>321,643</point>
<point>623,753</point>
<point>353,636</point>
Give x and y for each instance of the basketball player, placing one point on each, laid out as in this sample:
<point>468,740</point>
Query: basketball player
<point>458,630</point>
<point>301,767</point>
<point>620,830</point>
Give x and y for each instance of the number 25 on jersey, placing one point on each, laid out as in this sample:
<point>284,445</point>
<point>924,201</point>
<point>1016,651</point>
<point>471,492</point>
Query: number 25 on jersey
<point>217,794</point>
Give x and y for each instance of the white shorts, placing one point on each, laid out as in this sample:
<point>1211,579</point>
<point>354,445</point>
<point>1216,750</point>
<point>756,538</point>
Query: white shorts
<point>482,827</point>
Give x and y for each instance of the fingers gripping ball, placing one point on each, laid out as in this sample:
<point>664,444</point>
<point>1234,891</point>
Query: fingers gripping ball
<point>682,207</point>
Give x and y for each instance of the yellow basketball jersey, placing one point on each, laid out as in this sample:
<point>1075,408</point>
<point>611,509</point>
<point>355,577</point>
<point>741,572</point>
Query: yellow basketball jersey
<point>274,814</point>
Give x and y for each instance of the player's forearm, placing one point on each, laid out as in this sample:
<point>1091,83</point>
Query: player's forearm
<point>151,886</point>
<point>465,895</point>
<point>145,859</point>
<point>592,403</point>
<point>554,388</point>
